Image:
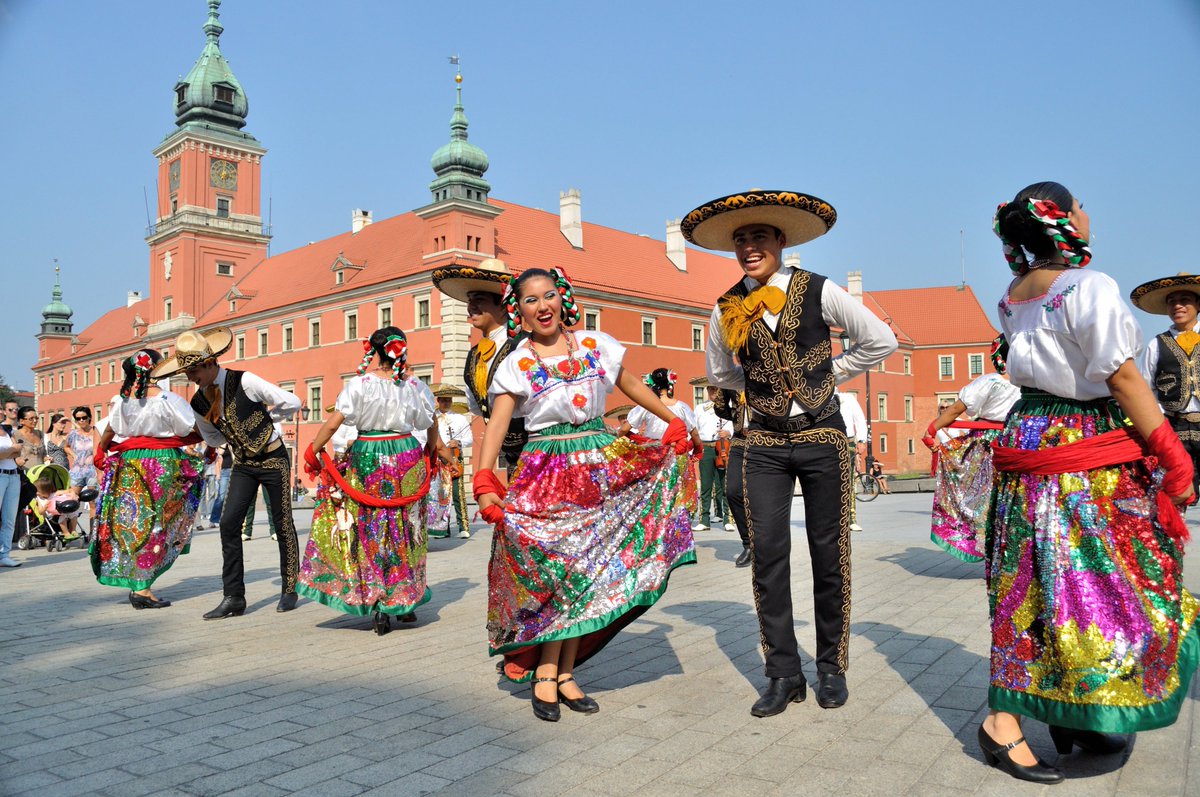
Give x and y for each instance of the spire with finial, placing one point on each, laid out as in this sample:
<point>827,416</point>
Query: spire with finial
<point>459,164</point>
<point>210,97</point>
<point>56,316</point>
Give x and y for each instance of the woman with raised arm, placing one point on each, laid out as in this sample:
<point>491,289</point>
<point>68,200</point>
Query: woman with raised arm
<point>1092,630</point>
<point>591,525</point>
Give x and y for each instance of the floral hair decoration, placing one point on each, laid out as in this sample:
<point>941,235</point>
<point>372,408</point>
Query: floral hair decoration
<point>511,311</point>
<point>142,363</point>
<point>1067,240</point>
<point>1000,354</point>
<point>368,353</point>
<point>570,308</point>
<point>396,347</point>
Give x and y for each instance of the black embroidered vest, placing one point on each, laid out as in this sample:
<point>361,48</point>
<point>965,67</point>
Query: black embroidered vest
<point>793,362</point>
<point>1177,378</point>
<point>732,408</point>
<point>246,423</point>
<point>515,437</point>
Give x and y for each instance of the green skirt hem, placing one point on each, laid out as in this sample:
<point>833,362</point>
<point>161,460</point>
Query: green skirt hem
<point>950,549</point>
<point>1106,719</point>
<point>589,626</point>
<point>358,611</point>
<point>128,583</point>
<point>437,534</point>
<point>598,438</point>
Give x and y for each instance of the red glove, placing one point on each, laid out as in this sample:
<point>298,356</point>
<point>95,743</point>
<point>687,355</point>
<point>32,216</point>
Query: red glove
<point>930,438</point>
<point>493,514</point>
<point>210,454</point>
<point>485,482</point>
<point>697,450</point>
<point>1165,445</point>
<point>677,434</point>
<point>312,463</point>
<point>100,458</point>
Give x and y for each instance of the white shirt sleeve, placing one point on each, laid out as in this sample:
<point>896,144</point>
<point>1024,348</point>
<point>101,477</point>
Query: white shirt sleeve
<point>280,403</point>
<point>637,419</point>
<point>723,370</point>
<point>423,416</point>
<point>182,419</point>
<point>873,340</point>
<point>1148,364</point>
<point>465,436</point>
<point>1103,326</point>
<point>348,401</point>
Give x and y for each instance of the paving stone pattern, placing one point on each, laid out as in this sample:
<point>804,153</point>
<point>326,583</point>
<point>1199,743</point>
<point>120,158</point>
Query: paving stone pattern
<point>102,700</point>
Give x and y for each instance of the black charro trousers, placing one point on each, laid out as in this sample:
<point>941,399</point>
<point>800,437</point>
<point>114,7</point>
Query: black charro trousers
<point>273,473</point>
<point>821,458</point>
<point>733,488</point>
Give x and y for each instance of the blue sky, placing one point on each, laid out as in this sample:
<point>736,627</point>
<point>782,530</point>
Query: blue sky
<point>913,119</point>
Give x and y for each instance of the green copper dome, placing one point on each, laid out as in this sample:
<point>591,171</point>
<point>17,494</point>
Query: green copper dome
<point>56,316</point>
<point>459,164</point>
<point>210,94</point>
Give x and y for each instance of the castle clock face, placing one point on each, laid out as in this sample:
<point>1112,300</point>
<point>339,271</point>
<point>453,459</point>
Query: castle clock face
<point>223,174</point>
<point>173,173</point>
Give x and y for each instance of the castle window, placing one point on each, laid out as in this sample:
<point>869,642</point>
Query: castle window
<point>351,325</point>
<point>287,337</point>
<point>647,331</point>
<point>223,207</point>
<point>180,93</point>
<point>314,332</point>
<point>385,315</point>
<point>339,277</point>
<point>975,364</point>
<point>174,204</point>
<point>591,320</point>
<point>422,313</point>
<point>241,347</point>
<point>697,337</point>
<point>224,269</point>
<point>262,343</point>
<point>224,94</point>
<point>946,367</point>
<point>166,309</point>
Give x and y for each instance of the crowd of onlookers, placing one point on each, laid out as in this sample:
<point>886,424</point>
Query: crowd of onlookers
<point>67,443</point>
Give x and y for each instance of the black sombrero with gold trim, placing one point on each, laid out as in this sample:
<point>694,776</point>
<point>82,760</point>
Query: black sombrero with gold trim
<point>1152,296</point>
<point>193,348</point>
<point>489,276</point>
<point>800,217</point>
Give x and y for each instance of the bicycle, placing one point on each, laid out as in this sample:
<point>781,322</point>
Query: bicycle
<point>866,488</point>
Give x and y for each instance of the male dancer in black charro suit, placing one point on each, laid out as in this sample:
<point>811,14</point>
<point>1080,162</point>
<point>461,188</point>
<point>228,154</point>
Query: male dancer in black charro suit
<point>770,337</point>
<point>482,287</point>
<point>238,409</point>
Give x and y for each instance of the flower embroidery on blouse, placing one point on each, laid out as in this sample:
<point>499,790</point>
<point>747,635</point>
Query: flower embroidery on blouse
<point>1057,301</point>
<point>579,400</point>
<point>1004,308</point>
<point>586,367</point>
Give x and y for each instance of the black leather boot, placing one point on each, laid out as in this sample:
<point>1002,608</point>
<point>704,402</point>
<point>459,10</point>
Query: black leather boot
<point>230,606</point>
<point>831,690</point>
<point>743,559</point>
<point>780,692</point>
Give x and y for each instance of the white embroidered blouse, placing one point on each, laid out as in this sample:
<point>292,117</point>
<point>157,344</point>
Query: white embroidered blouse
<point>989,397</point>
<point>371,403</point>
<point>653,427</point>
<point>547,394</point>
<point>1070,339</point>
<point>165,415</point>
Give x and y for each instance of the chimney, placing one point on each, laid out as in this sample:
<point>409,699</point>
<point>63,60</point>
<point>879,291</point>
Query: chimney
<point>676,252</point>
<point>132,298</point>
<point>570,216</point>
<point>359,219</point>
<point>854,285</point>
<point>792,260</point>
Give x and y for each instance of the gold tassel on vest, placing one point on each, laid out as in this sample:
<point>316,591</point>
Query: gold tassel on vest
<point>738,314</point>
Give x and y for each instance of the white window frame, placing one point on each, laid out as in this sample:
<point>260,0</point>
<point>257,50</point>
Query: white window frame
<point>168,308</point>
<point>881,404</point>
<point>912,448</point>
<point>591,320</point>
<point>112,371</point>
<point>971,359</point>
<point>222,264</point>
<point>239,346</point>
<point>653,322</point>
<point>228,200</point>
<point>908,365</point>
<point>380,309</point>
<point>883,444</point>
<point>287,331</point>
<point>698,395</point>
<point>315,406</point>
<point>419,300</point>
<point>314,324</point>
<point>347,315</point>
<point>942,360</point>
<point>908,409</point>
<point>264,341</point>
<point>339,277</point>
<point>423,372</point>
<point>698,337</point>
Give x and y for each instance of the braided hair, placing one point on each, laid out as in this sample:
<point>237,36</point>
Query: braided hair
<point>1000,354</point>
<point>1036,220</point>
<point>137,368</point>
<point>392,347</point>
<point>661,380</point>
<point>570,313</point>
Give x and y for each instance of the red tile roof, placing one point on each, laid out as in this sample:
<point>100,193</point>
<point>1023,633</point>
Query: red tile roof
<point>929,316</point>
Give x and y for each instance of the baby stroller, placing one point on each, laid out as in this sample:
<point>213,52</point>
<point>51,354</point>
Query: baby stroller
<point>46,517</point>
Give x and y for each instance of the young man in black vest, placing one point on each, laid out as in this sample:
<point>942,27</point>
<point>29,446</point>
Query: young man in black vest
<point>1171,362</point>
<point>482,287</point>
<point>770,337</point>
<point>238,409</point>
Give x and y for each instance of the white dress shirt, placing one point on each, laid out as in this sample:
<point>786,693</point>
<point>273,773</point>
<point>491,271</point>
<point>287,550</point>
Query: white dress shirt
<point>281,405</point>
<point>499,336</point>
<point>873,341</point>
<point>1148,365</point>
<point>708,424</point>
<point>853,417</point>
<point>454,427</point>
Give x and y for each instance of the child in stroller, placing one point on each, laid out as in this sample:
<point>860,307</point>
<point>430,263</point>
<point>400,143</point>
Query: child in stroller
<point>52,514</point>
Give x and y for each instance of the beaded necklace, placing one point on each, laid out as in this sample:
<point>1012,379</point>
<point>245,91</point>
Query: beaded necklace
<point>569,368</point>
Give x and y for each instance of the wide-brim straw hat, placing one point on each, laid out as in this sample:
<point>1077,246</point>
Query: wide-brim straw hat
<point>700,381</point>
<point>193,348</point>
<point>443,390</point>
<point>617,412</point>
<point>490,276</point>
<point>460,407</point>
<point>801,217</point>
<point>59,474</point>
<point>1152,296</point>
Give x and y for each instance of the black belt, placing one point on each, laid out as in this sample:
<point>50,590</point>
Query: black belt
<point>796,423</point>
<point>1189,417</point>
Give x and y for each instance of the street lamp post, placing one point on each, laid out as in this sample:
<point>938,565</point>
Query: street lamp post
<point>301,414</point>
<point>845,337</point>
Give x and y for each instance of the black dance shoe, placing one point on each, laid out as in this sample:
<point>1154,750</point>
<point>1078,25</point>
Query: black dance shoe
<point>583,705</point>
<point>780,692</point>
<point>381,623</point>
<point>996,755</point>
<point>146,602</point>
<point>1066,739</point>
<point>230,606</point>
<point>544,709</point>
<point>831,690</point>
<point>743,559</point>
<point>287,602</point>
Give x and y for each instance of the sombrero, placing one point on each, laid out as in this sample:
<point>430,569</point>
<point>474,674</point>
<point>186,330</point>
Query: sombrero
<point>442,390</point>
<point>193,348</point>
<point>460,407</point>
<point>617,412</point>
<point>490,276</point>
<point>1152,296</point>
<point>59,474</point>
<point>700,381</point>
<point>800,217</point>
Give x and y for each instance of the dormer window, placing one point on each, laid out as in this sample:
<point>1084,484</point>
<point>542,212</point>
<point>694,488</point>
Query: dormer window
<point>339,277</point>
<point>224,94</point>
<point>180,93</point>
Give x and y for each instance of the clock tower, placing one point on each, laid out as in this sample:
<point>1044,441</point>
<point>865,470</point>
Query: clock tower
<point>209,230</point>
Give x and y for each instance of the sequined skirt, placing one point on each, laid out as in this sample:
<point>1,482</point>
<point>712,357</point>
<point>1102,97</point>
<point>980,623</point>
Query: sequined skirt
<point>362,559</point>
<point>148,502</point>
<point>1091,625</point>
<point>593,527</point>
<point>962,502</point>
<point>438,514</point>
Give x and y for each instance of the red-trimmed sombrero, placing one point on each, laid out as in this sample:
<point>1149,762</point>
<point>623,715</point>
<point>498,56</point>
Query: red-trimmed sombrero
<point>489,276</point>
<point>800,217</point>
<point>1152,296</point>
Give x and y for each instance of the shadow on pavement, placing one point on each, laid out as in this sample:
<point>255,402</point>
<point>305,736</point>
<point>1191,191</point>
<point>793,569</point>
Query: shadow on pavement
<point>934,563</point>
<point>736,627</point>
